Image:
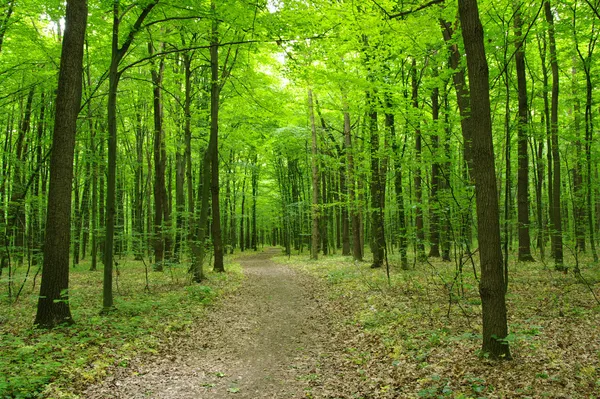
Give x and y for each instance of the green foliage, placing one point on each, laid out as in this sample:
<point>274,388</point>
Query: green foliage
<point>60,362</point>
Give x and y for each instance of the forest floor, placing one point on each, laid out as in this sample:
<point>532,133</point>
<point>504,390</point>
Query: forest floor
<point>288,327</point>
<point>263,341</point>
<point>336,329</point>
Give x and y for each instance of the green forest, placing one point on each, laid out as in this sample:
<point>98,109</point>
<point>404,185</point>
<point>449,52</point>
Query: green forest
<point>299,199</point>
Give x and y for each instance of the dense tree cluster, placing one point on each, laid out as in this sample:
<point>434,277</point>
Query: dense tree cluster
<point>454,130</point>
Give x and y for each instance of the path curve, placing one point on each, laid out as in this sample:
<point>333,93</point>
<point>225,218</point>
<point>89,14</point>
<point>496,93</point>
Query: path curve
<point>264,341</point>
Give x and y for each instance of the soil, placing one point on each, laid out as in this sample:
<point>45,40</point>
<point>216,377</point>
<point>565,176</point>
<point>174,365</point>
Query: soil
<point>264,341</point>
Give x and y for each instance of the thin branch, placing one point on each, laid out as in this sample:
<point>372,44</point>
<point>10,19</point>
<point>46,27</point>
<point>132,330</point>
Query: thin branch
<point>413,10</point>
<point>594,9</point>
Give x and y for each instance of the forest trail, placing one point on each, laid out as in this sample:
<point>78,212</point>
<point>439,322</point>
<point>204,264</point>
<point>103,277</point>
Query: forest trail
<point>264,341</point>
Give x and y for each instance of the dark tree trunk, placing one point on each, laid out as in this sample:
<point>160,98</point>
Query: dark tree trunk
<point>314,252</point>
<point>523,156</point>
<point>254,236</point>
<point>324,219</point>
<point>179,204</point>
<point>242,214</point>
<point>53,304</point>
<point>434,207</point>
<point>377,230</point>
<point>138,199</point>
<point>492,286</point>
<point>160,192</point>
<point>420,231</point>
<point>556,189</point>
<point>215,92</point>
<point>354,215</point>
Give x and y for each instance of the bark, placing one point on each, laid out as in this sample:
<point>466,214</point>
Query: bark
<point>138,195</point>
<point>242,215</point>
<point>160,191</point>
<point>522,140</point>
<point>324,220</point>
<point>215,92</point>
<point>254,242</point>
<point>377,229</point>
<point>434,207</point>
<point>53,303</point>
<point>492,286</point>
<point>417,172</point>
<point>556,216</point>
<point>314,252</point>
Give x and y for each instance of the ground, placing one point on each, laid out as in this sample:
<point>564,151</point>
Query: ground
<point>264,341</point>
<point>336,329</point>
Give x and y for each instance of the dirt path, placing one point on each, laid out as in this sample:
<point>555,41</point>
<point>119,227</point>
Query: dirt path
<point>265,341</point>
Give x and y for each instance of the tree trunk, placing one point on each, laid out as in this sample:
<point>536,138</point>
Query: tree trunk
<point>523,156</point>
<point>556,189</point>
<point>434,202</point>
<point>417,173</point>
<point>53,303</point>
<point>254,238</point>
<point>492,286</point>
<point>314,252</point>
<point>114,75</point>
<point>377,229</point>
<point>215,92</point>
<point>159,165</point>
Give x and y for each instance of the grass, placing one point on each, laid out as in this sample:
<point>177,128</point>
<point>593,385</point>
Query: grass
<point>60,363</point>
<point>427,325</point>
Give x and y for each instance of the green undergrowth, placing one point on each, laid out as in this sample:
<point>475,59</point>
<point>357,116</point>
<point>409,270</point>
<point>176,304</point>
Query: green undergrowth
<point>428,322</point>
<point>60,363</point>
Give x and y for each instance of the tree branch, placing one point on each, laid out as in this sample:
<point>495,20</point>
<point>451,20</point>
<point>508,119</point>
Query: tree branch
<point>413,10</point>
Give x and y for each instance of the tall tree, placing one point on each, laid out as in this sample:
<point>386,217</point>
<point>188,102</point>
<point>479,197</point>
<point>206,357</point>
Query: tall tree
<point>114,75</point>
<point>492,286</point>
<point>53,303</point>
<point>556,215</point>
<point>523,155</point>
<point>314,249</point>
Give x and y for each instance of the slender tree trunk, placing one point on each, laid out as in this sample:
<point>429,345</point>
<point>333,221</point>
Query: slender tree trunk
<point>434,201</point>
<point>523,156</point>
<point>589,134</point>
<point>159,165</point>
<point>53,303</point>
<point>556,181</point>
<point>16,209</point>
<point>578,190</point>
<point>215,92</point>
<point>314,252</point>
<point>117,55</point>
<point>492,286</point>
<point>254,242</point>
<point>243,210</point>
<point>417,172</point>
<point>377,230</point>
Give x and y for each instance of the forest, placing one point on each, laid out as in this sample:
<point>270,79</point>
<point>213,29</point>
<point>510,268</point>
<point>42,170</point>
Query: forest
<point>299,198</point>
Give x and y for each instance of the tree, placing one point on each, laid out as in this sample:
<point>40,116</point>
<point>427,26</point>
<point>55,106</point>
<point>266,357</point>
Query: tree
<point>523,156</point>
<point>53,304</point>
<point>555,214</point>
<point>492,286</point>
